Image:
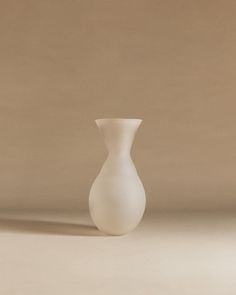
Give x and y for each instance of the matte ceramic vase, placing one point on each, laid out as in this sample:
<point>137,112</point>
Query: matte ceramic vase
<point>117,197</point>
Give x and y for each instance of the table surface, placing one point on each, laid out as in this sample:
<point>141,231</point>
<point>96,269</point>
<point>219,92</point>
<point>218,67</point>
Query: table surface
<point>44,252</point>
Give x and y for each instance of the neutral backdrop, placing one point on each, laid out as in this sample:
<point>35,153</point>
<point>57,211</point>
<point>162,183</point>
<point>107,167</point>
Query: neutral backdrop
<point>64,64</point>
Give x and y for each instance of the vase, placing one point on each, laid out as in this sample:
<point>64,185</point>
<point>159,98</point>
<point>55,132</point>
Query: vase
<point>117,197</point>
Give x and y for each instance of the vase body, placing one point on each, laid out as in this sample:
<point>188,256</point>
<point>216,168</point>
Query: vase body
<point>117,197</point>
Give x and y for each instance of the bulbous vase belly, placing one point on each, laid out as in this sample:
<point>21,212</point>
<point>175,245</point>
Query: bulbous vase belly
<point>117,203</point>
<point>117,197</point>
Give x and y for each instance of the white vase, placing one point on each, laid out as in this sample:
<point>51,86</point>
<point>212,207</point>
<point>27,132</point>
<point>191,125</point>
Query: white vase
<point>117,197</point>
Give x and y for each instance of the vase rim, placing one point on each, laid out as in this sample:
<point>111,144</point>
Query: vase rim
<point>119,119</point>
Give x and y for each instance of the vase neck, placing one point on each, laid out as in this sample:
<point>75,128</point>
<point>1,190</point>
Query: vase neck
<point>118,134</point>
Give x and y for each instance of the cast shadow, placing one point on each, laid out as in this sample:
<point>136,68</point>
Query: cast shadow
<point>48,228</point>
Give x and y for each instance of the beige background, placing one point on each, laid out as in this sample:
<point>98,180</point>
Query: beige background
<point>66,63</point>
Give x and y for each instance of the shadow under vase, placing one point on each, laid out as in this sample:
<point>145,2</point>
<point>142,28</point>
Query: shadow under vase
<point>48,228</point>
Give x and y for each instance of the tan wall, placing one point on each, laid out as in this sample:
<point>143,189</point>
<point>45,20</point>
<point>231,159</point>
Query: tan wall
<point>65,63</point>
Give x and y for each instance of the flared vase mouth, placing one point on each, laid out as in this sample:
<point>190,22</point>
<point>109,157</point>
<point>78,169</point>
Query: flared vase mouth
<point>118,120</point>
